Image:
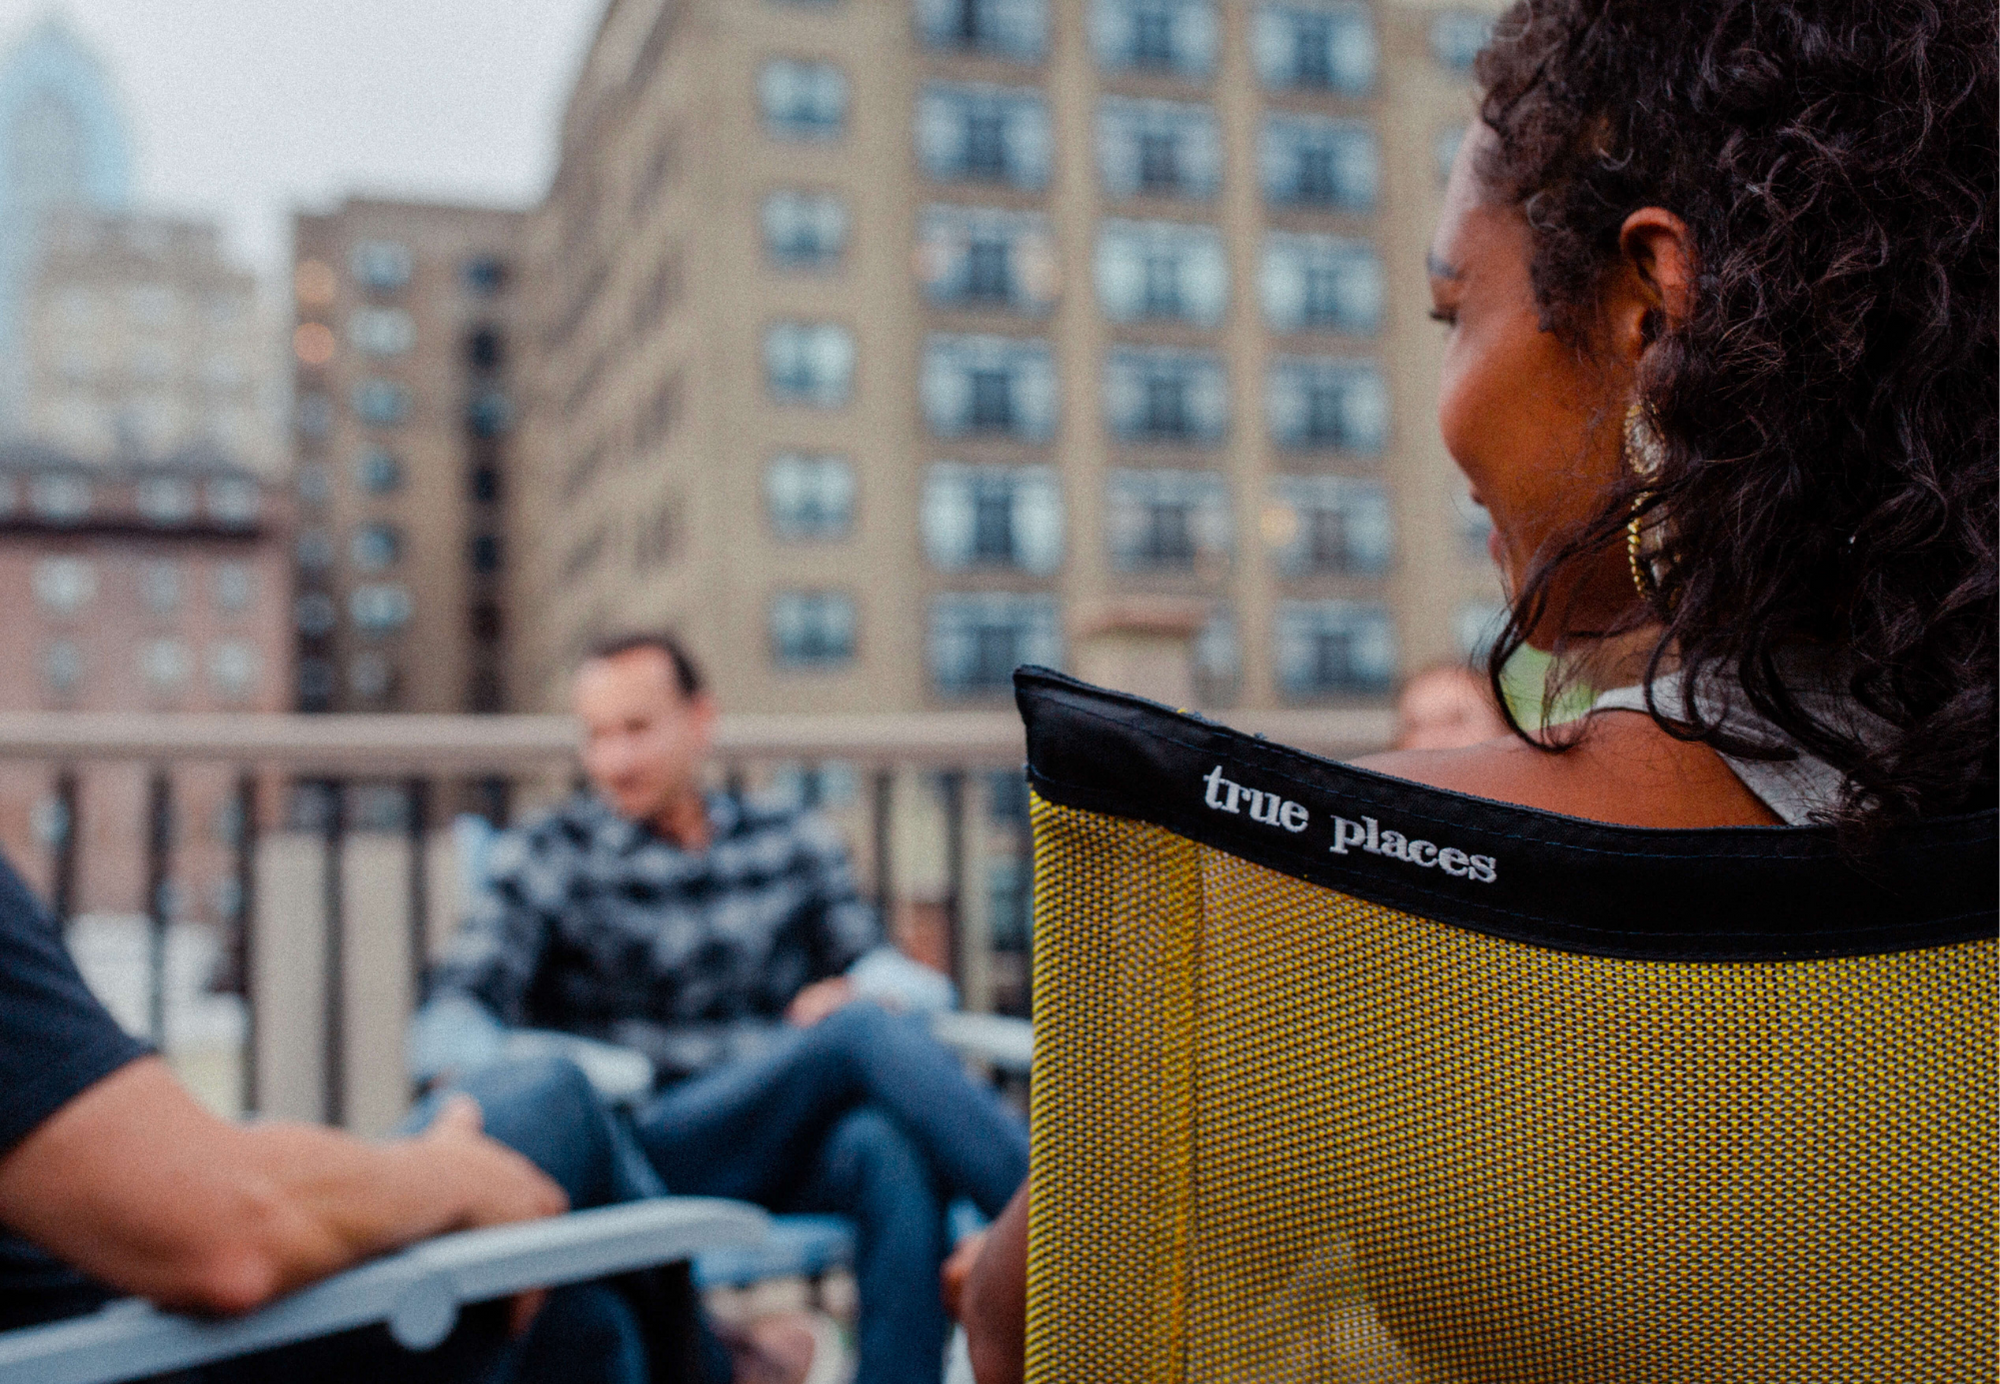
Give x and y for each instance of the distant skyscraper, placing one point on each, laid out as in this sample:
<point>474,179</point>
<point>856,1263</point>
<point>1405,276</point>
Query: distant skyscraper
<point>63,143</point>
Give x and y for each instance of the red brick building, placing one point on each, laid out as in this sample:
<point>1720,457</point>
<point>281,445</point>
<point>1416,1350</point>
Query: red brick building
<point>163,586</point>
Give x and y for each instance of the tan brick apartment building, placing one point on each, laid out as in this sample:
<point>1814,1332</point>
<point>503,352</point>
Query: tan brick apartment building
<point>402,348</point>
<point>882,343</point>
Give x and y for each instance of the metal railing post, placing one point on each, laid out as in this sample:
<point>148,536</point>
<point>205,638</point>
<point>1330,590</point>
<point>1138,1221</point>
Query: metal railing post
<point>951,788</point>
<point>159,810</point>
<point>417,793</point>
<point>333,1053</point>
<point>62,891</point>
<point>881,825</point>
<point>246,940</point>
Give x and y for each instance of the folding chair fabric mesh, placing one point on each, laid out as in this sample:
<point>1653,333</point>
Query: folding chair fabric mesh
<point>1286,1132</point>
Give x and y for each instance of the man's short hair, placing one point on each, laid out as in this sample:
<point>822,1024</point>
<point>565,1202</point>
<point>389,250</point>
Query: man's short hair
<point>687,673</point>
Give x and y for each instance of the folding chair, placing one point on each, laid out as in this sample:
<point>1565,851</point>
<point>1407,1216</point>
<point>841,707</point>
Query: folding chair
<point>417,1292</point>
<point>1338,1077</point>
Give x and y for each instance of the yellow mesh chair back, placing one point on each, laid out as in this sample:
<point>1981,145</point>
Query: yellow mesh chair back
<point>1339,1078</point>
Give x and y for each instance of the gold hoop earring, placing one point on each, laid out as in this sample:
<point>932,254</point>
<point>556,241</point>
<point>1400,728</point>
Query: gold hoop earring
<point>1644,453</point>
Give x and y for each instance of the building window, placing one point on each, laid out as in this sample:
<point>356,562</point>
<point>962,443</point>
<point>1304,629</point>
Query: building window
<point>1317,403</point>
<point>805,230</point>
<point>1166,521</point>
<point>315,684</point>
<point>485,348</point>
<point>313,416</point>
<point>381,266</point>
<point>232,670</point>
<point>379,607</point>
<point>1477,624</point>
<point>160,587</point>
<point>1321,283</point>
<point>1158,149</point>
<point>371,677</point>
<point>488,413</point>
<point>375,546</point>
<point>986,257</point>
<point>802,100</point>
<point>483,275</point>
<point>313,483</point>
<point>382,403</point>
<point>812,629</point>
<point>1162,270</point>
<point>992,516</point>
<point>59,499</point>
<point>1330,647</point>
<point>62,666</point>
<point>809,363</point>
<point>485,553</point>
<point>1015,29</point>
<point>809,497</point>
<point>993,385</point>
<point>482,483</point>
<point>64,585</point>
<point>1171,36</point>
<point>314,550</point>
<point>164,664</point>
<point>1218,657</point>
<point>165,499</point>
<point>234,501</point>
<point>1316,161</point>
<point>1314,45</point>
<point>235,587</point>
<point>1475,527</point>
<point>1329,524</point>
<point>1166,395</point>
<point>978,133</point>
<point>977,639</point>
<point>313,614</point>
<point>379,472</point>
<point>1457,36</point>
<point>381,332</point>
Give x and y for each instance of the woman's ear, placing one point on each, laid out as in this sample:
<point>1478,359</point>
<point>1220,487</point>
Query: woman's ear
<point>1654,291</point>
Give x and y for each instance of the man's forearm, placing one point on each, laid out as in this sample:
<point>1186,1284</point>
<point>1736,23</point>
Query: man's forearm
<point>138,1186</point>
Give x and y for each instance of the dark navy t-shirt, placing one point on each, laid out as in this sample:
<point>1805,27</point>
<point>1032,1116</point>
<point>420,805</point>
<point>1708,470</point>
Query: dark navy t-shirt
<point>55,1040</point>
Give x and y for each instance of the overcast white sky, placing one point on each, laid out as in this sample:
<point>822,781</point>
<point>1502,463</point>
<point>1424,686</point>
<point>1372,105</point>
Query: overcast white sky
<point>242,110</point>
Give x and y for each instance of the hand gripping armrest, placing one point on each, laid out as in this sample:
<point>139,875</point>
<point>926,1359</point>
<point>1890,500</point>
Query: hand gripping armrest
<point>417,1291</point>
<point>1004,1043</point>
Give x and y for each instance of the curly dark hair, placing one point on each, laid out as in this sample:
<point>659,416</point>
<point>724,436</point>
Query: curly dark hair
<point>1829,404</point>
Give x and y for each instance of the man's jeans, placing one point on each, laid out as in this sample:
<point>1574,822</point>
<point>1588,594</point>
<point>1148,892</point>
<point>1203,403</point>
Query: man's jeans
<point>868,1115</point>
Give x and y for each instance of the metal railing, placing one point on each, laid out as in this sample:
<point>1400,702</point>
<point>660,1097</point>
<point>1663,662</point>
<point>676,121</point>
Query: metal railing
<point>339,906</point>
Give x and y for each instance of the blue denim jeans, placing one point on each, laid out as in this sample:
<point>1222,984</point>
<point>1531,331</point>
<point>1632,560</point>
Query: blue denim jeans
<point>867,1115</point>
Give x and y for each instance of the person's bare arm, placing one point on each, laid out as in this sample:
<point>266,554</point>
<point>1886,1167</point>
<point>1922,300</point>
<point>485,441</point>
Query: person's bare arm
<point>993,1302</point>
<point>138,1186</point>
<point>1625,770</point>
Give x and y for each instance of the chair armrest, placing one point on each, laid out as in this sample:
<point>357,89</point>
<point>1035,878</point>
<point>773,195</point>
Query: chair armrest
<point>417,1291</point>
<point>1004,1043</point>
<point>620,1075</point>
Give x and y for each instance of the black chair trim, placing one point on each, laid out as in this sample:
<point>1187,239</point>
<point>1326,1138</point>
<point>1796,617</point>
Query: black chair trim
<point>1730,894</point>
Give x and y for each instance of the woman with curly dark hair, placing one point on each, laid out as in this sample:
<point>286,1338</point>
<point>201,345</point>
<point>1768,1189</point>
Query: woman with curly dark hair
<point>1719,279</point>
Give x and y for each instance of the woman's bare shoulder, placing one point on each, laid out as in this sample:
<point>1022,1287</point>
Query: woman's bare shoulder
<point>1624,770</point>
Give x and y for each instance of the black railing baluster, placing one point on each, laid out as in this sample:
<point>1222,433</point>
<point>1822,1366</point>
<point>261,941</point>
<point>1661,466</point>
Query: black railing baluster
<point>884,806</point>
<point>951,787</point>
<point>62,890</point>
<point>333,1055</point>
<point>246,925</point>
<point>159,818</point>
<point>418,805</point>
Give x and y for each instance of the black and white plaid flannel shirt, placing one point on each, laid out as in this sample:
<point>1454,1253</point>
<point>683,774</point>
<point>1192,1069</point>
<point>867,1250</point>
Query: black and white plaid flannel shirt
<point>598,926</point>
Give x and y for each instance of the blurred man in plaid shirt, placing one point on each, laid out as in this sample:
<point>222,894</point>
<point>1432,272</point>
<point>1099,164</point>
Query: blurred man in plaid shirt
<point>724,939</point>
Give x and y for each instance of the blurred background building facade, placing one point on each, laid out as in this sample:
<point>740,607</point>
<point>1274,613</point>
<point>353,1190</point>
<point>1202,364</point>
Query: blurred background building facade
<point>63,145</point>
<point>881,346</point>
<point>140,341</point>
<point>401,415</point>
